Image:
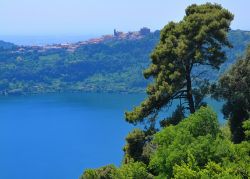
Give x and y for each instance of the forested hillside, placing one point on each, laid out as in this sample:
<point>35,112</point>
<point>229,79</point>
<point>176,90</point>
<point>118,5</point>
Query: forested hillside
<point>111,66</point>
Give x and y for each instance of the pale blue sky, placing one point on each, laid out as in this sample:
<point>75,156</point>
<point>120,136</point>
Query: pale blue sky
<point>85,17</point>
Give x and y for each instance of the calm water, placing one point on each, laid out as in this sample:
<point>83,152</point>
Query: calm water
<point>58,136</point>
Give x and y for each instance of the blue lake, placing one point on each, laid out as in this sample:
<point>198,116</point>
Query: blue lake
<point>58,136</point>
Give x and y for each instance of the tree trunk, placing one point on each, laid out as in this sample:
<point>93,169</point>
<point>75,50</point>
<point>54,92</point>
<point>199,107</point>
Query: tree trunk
<point>189,93</point>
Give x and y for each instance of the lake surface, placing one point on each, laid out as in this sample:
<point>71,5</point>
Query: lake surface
<point>58,136</point>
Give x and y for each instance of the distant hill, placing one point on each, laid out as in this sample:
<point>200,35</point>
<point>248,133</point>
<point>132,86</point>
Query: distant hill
<point>114,65</point>
<point>240,40</point>
<point>6,45</point>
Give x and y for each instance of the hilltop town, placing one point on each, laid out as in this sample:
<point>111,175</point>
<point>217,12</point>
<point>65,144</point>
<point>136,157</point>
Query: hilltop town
<point>71,47</point>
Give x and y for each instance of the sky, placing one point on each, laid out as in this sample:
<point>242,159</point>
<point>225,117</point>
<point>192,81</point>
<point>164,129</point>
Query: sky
<point>96,17</point>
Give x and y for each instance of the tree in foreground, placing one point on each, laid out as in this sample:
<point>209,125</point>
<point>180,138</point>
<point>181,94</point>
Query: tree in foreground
<point>194,42</point>
<point>234,88</point>
<point>195,147</point>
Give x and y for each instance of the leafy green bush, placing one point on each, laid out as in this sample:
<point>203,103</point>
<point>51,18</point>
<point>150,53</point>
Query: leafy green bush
<point>197,148</point>
<point>131,170</point>
<point>106,172</point>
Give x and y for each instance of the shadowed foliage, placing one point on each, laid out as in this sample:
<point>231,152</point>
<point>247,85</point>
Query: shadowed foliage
<point>234,87</point>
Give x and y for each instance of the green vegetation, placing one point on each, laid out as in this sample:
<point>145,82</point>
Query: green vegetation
<point>195,148</point>
<point>234,88</point>
<point>114,66</point>
<point>195,41</point>
<point>190,144</point>
<point>132,170</point>
<point>188,57</point>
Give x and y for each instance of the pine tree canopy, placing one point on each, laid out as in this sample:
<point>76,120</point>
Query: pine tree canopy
<point>195,41</point>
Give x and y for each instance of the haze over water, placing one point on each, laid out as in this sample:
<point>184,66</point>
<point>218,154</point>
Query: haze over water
<point>44,39</point>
